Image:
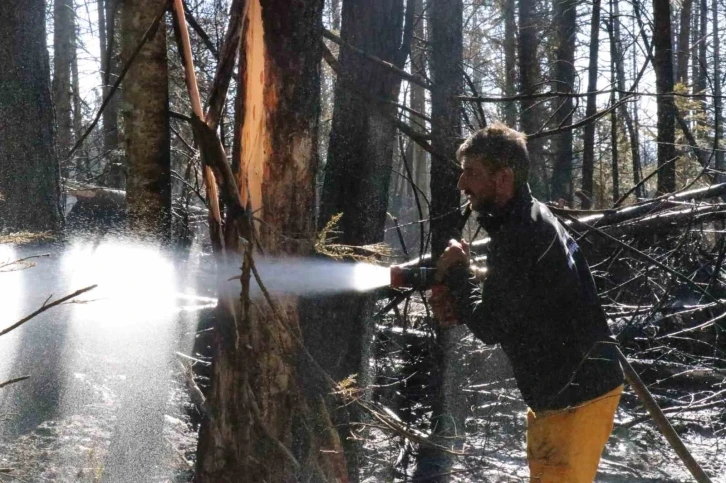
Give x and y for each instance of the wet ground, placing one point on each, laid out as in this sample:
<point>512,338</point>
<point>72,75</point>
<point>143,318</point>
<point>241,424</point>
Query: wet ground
<point>104,401</point>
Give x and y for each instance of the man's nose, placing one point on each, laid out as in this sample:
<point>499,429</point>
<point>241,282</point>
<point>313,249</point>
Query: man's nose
<point>459,184</point>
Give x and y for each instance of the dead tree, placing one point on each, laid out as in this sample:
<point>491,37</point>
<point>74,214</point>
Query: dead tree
<point>259,409</point>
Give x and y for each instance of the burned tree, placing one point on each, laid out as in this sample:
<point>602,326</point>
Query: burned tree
<point>29,171</point>
<point>259,409</point>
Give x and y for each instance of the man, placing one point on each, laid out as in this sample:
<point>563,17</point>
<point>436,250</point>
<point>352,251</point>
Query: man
<point>539,302</point>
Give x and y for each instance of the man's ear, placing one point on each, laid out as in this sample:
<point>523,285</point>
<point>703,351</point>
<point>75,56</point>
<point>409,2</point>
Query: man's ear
<point>505,179</point>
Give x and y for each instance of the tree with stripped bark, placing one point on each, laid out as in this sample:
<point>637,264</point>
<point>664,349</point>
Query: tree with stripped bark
<point>259,406</point>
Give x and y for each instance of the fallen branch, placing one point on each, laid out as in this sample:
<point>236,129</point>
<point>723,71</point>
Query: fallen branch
<point>45,307</point>
<point>13,381</point>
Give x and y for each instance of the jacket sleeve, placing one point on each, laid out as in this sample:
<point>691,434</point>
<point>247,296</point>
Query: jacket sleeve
<point>466,292</point>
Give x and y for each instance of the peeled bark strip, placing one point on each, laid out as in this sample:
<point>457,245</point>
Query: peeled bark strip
<point>146,121</point>
<point>29,171</point>
<point>263,427</point>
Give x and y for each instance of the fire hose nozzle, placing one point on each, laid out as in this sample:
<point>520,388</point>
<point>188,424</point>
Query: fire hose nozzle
<point>420,278</point>
<point>423,278</point>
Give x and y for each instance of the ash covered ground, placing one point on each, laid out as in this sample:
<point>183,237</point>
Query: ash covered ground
<point>79,445</point>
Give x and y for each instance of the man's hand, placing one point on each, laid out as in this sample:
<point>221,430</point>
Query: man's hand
<point>456,254</point>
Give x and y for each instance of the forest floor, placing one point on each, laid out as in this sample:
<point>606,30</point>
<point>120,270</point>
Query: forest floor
<point>75,448</point>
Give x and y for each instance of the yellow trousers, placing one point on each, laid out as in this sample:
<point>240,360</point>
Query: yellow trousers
<point>564,446</point>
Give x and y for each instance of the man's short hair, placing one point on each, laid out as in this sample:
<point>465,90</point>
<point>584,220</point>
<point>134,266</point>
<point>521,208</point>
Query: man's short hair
<point>498,146</point>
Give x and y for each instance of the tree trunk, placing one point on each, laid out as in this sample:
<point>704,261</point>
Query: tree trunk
<point>446,72</point>
<point>82,158</point>
<point>684,37</point>
<point>446,40</point>
<point>565,28</point>
<point>588,155</point>
<point>146,121</point>
<point>107,10</point>
<point>623,109</point>
<point>531,112</point>
<point>614,59</point>
<point>356,184</point>
<point>358,170</point>
<point>717,109</point>
<point>700,83</point>
<point>419,159</point>
<point>63,33</point>
<point>663,66</point>
<point>29,170</point>
<point>510,62</point>
<point>261,412</point>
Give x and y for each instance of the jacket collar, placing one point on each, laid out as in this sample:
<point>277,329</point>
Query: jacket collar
<point>491,222</point>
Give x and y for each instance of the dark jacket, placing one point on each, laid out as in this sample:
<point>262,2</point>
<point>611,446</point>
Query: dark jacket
<point>540,303</point>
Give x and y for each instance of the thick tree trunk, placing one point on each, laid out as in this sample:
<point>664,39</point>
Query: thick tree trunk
<point>663,66</point>
<point>565,21</point>
<point>510,62</point>
<point>356,184</point>
<point>530,111</point>
<point>684,47</point>
<point>29,171</point>
<point>358,170</point>
<point>146,121</point>
<point>63,49</point>
<point>265,426</point>
<point>447,76</point>
<point>588,155</point>
<point>446,40</point>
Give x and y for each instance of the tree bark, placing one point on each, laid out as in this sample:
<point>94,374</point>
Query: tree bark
<point>29,170</point>
<point>146,121</point>
<point>588,156</point>
<point>530,111</point>
<point>260,410</point>
<point>565,22</point>
<point>63,52</point>
<point>663,66</point>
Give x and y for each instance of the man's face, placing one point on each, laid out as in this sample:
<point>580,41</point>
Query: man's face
<point>479,183</point>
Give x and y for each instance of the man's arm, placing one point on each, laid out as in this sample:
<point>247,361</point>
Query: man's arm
<point>465,291</point>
